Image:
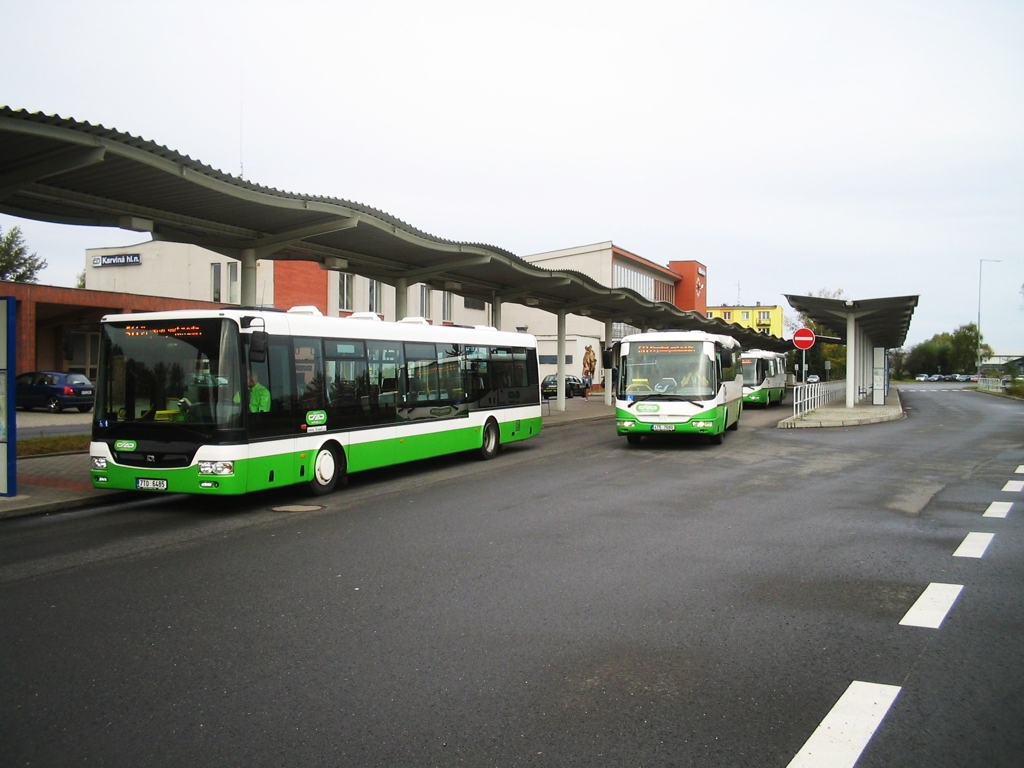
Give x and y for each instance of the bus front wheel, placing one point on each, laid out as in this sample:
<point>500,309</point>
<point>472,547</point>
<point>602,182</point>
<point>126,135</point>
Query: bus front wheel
<point>633,438</point>
<point>491,442</point>
<point>327,468</point>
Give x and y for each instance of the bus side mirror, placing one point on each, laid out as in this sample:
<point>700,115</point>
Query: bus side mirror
<point>607,360</point>
<point>726,358</point>
<point>258,343</point>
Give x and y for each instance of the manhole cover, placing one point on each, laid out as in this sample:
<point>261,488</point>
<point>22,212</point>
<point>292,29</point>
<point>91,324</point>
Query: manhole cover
<point>297,508</point>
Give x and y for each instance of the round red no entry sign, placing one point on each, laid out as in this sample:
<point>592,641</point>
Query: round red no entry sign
<point>803,338</point>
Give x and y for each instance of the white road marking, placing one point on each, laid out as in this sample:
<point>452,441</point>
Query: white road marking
<point>974,545</point>
<point>1014,486</point>
<point>932,606</point>
<point>998,509</point>
<point>1019,470</point>
<point>840,738</point>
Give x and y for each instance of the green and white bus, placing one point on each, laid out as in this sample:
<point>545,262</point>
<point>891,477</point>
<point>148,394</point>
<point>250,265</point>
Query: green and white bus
<point>237,400</point>
<point>682,382</point>
<point>764,377</point>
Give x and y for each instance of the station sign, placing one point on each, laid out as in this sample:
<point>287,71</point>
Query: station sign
<point>117,260</point>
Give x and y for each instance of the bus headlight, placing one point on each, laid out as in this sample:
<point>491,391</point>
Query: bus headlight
<point>99,462</point>
<point>703,424</point>
<point>626,423</point>
<point>216,467</point>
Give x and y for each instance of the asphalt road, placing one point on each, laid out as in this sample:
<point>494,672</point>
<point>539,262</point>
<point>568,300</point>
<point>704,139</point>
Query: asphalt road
<point>577,601</point>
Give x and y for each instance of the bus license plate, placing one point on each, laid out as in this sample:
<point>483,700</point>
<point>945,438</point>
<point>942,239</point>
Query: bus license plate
<point>663,427</point>
<point>149,484</point>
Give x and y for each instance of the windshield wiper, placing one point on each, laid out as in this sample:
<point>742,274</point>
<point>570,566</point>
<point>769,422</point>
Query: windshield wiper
<point>662,395</point>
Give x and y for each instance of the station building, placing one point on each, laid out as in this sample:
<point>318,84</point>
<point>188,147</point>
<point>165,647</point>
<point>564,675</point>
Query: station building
<point>681,283</point>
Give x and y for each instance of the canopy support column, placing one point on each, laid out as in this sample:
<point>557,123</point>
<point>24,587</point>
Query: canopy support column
<point>852,348</point>
<point>496,312</point>
<point>401,298</point>
<point>561,360</point>
<point>247,284</point>
<point>609,326</point>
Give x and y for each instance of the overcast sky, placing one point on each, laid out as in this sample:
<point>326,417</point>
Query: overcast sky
<point>873,147</point>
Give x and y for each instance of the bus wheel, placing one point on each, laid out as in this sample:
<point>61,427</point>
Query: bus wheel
<point>735,425</point>
<point>326,469</point>
<point>492,440</point>
<point>633,439</point>
<point>716,439</point>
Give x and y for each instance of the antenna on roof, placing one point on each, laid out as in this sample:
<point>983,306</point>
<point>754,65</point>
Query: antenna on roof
<point>241,116</point>
<point>738,302</point>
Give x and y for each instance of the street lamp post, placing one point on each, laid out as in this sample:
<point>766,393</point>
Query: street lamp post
<point>981,263</point>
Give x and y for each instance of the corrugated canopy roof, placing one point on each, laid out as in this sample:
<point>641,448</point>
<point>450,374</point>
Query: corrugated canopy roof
<point>61,170</point>
<point>885,321</point>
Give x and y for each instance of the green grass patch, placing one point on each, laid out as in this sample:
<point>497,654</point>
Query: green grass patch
<point>41,446</point>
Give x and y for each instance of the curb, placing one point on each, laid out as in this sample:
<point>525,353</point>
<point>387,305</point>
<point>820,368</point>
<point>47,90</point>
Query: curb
<point>65,505</point>
<point>794,423</point>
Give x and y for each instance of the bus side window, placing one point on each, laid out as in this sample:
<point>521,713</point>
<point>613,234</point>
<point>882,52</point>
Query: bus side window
<point>277,375</point>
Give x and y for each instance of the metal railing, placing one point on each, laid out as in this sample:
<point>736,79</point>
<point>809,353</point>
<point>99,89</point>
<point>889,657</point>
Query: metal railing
<point>807,397</point>
<point>991,385</point>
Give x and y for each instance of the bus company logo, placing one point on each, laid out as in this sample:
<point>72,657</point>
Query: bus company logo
<point>126,446</point>
<point>648,408</point>
<point>316,418</point>
<point>439,412</point>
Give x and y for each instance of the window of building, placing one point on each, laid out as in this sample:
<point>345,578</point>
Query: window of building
<point>233,282</point>
<point>746,316</point>
<point>215,281</point>
<point>727,315</point>
<point>446,306</point>
<point>764,316</point>
<point>469,303</point>
<point>425,301</point>
<point>346,291</point>
<point>376,302</point>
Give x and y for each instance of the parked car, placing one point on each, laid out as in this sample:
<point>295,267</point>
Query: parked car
<point>935,377</point>
<point>813,378</point>
<point>921,377</point>
<point>573,386</point>
<point>54,391</point>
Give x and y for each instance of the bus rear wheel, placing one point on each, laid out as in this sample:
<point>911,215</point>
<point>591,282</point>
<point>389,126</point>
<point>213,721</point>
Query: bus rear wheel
<point>492,441</point>
<point>327,468</point>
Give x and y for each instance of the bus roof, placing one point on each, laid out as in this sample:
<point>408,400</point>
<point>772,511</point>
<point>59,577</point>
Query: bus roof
<point>726,341</point>
<point>763,353</point>
<point>303,323</point>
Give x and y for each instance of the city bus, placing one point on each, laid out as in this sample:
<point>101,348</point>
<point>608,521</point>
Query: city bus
<point>678,382</point>
<point>764,377</point>
<point>232,401</point>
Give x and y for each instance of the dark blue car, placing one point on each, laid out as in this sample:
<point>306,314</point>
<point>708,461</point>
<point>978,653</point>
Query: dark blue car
<point>54,391</point>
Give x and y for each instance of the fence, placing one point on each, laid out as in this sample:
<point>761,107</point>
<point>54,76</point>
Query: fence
<point>990,385</point>
<point>807,397</point>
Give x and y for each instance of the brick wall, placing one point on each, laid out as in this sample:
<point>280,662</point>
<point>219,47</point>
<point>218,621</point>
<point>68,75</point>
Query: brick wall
<point>300,284</point>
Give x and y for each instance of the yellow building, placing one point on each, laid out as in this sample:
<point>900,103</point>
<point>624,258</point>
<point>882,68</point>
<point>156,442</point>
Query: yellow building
<point>766,319</point>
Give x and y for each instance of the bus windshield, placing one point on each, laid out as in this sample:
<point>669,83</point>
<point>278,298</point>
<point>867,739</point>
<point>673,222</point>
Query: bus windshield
<point>671,369</point>
<point>753,371</point>
<point>170,371</point>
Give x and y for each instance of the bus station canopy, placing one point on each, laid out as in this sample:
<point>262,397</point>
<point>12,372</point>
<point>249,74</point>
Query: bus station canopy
<point>885,321</point>
<point>61,170</point>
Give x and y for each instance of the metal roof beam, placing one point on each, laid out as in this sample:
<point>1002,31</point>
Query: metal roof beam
<point>426,273</point>
<point>264,246</point>
<point>47,165</point>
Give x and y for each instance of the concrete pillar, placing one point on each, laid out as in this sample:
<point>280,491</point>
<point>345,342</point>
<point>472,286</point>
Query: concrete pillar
<point>247,281</point>
<point>561,361</point>
<point>496,312</point>
<point>851,360</point>
<point>609,396</point>
<point>401,298</point>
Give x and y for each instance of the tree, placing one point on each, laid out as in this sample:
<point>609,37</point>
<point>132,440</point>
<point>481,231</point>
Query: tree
<point>16,263</point>
<point>954,352</point>
<point>821,351</point>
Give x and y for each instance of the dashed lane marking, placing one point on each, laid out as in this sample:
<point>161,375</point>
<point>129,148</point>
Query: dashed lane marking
<point>1014,486</point>
<point>974,545</point>
<point>848,727</point>
<point>932,606</point>
<point>998,509</point>
<point>1019,470</point>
